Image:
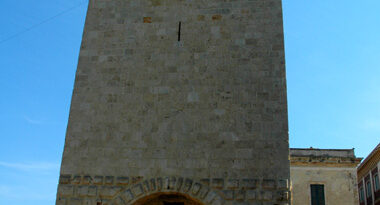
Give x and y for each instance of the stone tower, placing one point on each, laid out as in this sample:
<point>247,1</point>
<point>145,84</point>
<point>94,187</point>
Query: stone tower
<point>178,102</point>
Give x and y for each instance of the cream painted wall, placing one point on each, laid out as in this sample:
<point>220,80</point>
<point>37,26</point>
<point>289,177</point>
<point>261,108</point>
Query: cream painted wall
<point>340,184</point>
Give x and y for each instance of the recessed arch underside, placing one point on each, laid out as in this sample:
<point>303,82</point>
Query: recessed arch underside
<point>168,198</point>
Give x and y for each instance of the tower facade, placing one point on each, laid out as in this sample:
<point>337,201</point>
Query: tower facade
<point>178,102</point>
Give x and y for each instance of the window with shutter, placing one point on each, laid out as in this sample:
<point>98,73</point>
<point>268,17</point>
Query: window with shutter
<point>361,195</point>
<point>376,182</point>
<point>369,189</point>
<point>317,194</point>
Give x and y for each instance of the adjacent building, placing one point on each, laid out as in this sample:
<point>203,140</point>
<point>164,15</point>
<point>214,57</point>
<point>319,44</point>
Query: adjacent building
<point>324,176</point>
<point>368,179</point>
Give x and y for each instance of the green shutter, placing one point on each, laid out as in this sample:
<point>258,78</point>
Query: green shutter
<point>317,194</point>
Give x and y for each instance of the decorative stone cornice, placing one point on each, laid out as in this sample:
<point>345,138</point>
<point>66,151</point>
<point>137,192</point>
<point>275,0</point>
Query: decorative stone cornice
<point>122,190</point>
<point>323,157</point>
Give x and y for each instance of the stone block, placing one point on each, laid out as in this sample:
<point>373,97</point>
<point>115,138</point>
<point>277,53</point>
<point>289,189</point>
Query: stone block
<point>282,196</point>
<point>196,188</point>
<point>268,184</point>
<point>153,185</point>
<point>82,191</point>
<point>127,195</point>
<point>249,183</point>
<point>210,197</point>
<point>87,179</point>
<point>75,201</point>
<point>266,195</point>
<point>65,179</point>
<point>76,179</point>
<point>122,181</point>
<point>203,192</point>
<point>217,183</point>
<point>205,182</point>
<point>98,180</point>
<point>232,184</point>
<point>283,184</point>
<point>187,185</point>
<point>61,201</point>
<point>137,190</point>
<point>160,90</point>
<point>165,183</point>
<point>251,194</point>
<point>90,201</point>
<point>216,17</point>
<point>172,183</point>
<point>217,201</point>
<point>109,191</point>
<point>119,201</point>
<point>228,194</point>
<point>105,202</point>
<point>159,184</point>
<point>147,20</point>
<point>92,191</point>
<point>137,179</point>
<point>240,195</point>
<point>146,186</point>
<point>109,180</point>
<point>65,190</point>
<point>179,184</point>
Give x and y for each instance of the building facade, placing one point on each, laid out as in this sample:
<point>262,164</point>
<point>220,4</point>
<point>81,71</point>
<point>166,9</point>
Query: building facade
<point>178,102</point>
<point>323,176</point>
<point>368,179</point>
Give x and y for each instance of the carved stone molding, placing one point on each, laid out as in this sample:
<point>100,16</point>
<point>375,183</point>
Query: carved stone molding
<point>123,190</point>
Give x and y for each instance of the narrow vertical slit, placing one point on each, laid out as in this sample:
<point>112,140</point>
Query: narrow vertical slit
<point>179,31</point>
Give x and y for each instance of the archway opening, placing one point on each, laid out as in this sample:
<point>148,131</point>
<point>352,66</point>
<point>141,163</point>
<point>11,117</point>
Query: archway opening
<point>167,199</point>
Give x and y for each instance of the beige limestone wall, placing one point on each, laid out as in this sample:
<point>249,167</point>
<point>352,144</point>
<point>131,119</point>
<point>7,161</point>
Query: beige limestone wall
<point>340,184</point>
<point>150,111</point>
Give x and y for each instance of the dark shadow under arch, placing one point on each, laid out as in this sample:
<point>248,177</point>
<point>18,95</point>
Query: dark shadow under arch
<point>168,198</point>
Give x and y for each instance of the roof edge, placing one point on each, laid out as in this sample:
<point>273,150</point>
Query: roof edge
<point>368,157</point>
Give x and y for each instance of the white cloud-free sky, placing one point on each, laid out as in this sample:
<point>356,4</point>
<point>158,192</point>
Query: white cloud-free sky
<point>333,73</point>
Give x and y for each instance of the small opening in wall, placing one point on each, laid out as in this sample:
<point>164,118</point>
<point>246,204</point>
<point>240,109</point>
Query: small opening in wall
<point>179,31</point>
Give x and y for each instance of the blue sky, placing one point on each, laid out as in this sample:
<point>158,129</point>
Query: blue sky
<point>333,73</point>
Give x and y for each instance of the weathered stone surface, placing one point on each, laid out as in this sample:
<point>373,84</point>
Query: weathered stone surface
<point>191,94</point>
<point>65,190</point>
